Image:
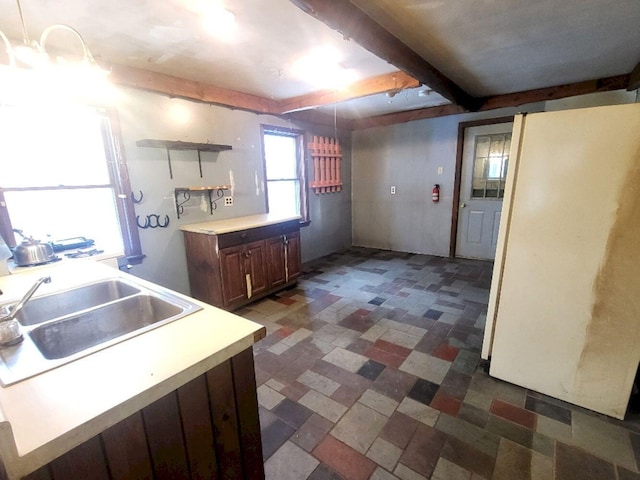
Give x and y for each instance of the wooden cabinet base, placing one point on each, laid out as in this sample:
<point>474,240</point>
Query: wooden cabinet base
<point>230,270</point>
<point>208,428</point>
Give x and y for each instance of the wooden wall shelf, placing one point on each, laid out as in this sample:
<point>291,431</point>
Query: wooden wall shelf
<point>179,145</point>
<point>186,195</point>
<point>169,145</point>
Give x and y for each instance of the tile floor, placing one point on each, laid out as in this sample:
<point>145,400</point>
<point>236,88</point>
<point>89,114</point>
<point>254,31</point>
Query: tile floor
<point>371,370</point>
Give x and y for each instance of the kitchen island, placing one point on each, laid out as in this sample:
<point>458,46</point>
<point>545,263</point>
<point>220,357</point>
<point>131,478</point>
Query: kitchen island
<point>178,401</point>
<point>236,261</point>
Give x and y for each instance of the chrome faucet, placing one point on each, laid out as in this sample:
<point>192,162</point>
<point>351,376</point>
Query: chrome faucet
<point>10,333</point>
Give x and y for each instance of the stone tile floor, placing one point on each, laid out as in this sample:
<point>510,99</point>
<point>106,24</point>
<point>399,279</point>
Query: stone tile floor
<point>371,370</point>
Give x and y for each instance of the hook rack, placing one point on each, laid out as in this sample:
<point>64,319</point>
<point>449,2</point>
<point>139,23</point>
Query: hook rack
<point>186,195</point>
<point>153,221</point>
<point>138,199</point>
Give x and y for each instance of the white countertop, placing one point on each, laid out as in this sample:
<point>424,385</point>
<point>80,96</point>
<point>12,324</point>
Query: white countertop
<point>44,416</point>
<point>237,224</point>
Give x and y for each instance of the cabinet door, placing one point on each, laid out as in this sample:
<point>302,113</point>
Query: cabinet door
<point>256,267</point>
<point>276,261</point>
<point>294,261</point>
<point>232,272</point>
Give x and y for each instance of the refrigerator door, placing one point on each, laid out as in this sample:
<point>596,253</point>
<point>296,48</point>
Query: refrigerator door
<point>565,298</point>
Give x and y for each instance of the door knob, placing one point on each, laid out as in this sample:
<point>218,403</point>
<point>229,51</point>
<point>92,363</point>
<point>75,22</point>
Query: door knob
<point>462,205</point>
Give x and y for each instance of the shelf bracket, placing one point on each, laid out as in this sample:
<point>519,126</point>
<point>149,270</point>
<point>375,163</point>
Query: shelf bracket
<point>213,201</point>
<point>180,205</point>
<point>186,196</point>
<point>169,163</point>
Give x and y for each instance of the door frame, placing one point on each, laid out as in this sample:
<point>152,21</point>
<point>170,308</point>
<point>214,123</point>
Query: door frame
<point>462,127</point>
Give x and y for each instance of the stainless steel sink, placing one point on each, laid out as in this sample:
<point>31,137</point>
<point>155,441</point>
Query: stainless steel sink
<point>55,305</point>
<point>63,326</point>
<point>62,338</point>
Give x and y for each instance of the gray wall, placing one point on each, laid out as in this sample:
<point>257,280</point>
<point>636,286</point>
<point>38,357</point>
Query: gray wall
<point>148,115</point>
<point>408,156</point>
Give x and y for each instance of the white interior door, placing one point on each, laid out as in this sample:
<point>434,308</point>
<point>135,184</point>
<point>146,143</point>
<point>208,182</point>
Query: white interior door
<point>485,156</point>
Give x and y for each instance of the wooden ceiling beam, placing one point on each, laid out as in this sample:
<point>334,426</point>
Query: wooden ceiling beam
<point>320,118</point>
<point>390,82</point>
<point>619,82</point>
<point>353,23</point>
<point>189,89</point>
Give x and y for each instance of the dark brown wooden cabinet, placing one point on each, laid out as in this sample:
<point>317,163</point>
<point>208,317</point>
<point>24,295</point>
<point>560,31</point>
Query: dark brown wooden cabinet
<point>208,428</point>
<point>244,271</point>
<point>229,270</point>
<point>294,263</point>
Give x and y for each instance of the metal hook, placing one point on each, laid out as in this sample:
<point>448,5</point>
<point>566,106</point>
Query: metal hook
<point>166,222</point>
<point>145,226</point>
<point>137,200</point>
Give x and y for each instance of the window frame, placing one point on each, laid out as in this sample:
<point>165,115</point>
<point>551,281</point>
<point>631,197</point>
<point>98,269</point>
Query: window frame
<point>301,170</point>
<point>118,182</point>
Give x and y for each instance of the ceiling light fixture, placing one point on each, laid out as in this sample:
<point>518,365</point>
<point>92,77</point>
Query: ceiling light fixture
<point>34,54</point>
<point>321,67</point>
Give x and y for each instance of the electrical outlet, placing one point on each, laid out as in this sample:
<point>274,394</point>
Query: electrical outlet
<point>228,201</point>
<point>393,189</point>
<point>440,170</point>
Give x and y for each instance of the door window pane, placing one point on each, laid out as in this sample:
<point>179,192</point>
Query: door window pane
<point>491,158</point>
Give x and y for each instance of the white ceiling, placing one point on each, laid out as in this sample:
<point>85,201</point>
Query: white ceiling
<point>487,47</point>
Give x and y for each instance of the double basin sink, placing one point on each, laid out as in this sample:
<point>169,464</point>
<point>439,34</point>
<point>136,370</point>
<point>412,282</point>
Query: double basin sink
<point>63,326</point>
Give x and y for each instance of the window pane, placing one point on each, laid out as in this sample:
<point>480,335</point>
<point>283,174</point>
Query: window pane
<point>284,197</point>
<point>51,147</point>
<point>490,165</point>
<point>63,214</point>
<point>280,157</point>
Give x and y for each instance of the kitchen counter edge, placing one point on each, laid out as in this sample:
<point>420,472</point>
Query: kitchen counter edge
<point>47,415</point>
<point>237,224</point>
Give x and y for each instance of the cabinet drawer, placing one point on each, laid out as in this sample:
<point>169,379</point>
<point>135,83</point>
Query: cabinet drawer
<point>232,239</point>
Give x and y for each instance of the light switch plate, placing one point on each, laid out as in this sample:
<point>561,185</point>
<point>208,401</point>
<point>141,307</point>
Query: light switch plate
<point>440,170</point>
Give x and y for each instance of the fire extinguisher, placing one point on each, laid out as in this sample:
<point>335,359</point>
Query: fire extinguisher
<point>435,195</point>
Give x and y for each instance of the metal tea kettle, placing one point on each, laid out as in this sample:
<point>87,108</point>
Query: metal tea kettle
<point>31,251</point>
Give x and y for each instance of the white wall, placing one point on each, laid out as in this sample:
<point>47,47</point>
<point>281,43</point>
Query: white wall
<point>148,115</point>
<point>408,155</point>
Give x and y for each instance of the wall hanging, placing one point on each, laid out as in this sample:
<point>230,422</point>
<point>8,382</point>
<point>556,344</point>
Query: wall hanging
<point>326,155</point>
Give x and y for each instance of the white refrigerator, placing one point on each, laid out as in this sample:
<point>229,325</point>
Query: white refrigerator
<point>564,309</point>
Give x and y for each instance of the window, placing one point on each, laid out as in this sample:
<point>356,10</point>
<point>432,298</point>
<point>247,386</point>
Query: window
<point>286,186</point>
<point>61,177</point>
<point>491,159</point>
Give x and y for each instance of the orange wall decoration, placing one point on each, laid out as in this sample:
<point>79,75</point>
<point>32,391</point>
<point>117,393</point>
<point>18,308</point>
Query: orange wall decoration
<point>326,155</point>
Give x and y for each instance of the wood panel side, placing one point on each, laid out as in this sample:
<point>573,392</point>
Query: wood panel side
<point>85,461</point>
<point>294,256</point>
<point>197,426</point>
<point>164,436</point>
<point>125,447</point>
<point>40,474</point>
<point>225,421</point>
<point>244,385</point>
<point>203,267</point>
